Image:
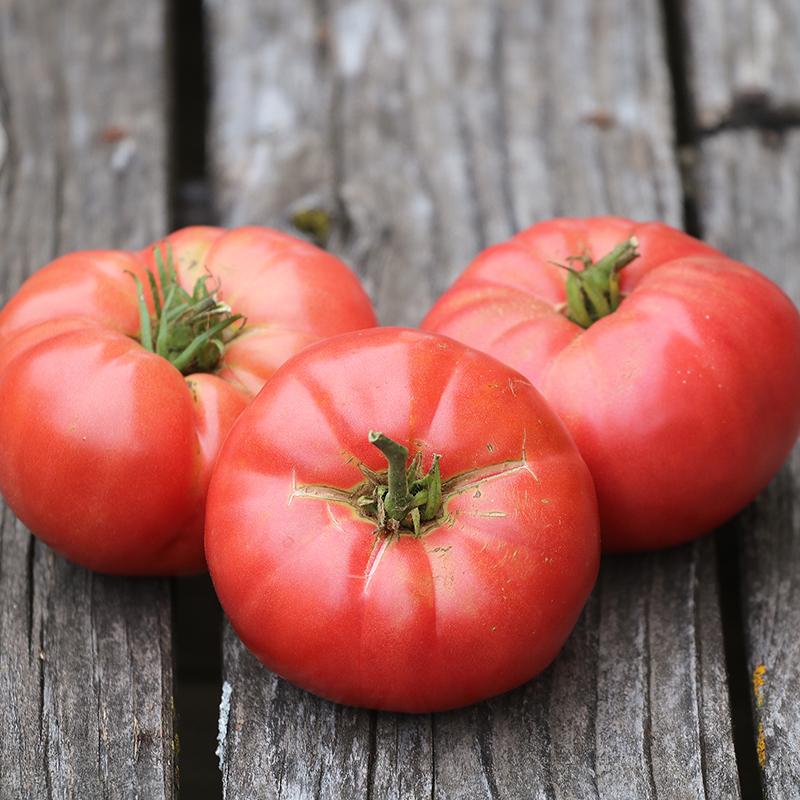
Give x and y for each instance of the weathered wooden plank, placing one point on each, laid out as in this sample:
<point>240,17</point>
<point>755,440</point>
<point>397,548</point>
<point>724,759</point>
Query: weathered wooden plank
<point>428,130</point>
<point>749,195</point>
<point>749,184</point>
<point>744,59</point>
<point>85,661</point>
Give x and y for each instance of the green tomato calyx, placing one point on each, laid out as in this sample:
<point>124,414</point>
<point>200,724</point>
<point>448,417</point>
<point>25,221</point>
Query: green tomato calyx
<point>593,292</point>
<point>189,330</point>
<point>403,496</point>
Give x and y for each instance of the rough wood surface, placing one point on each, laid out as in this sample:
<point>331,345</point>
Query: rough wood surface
<point>744,58</point>
<point>427,131</point>
<point>749,184</point>
<point>85,661</point>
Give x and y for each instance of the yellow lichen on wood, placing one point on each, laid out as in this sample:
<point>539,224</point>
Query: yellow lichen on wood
<point>759,679</point>
<point>761,746</point>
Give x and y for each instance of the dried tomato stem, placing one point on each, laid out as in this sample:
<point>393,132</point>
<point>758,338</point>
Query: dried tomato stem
<point>397,501</point>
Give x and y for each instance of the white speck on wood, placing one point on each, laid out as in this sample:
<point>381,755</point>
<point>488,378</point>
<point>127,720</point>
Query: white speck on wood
<point>274,112</point>
<point>3,146</point>
<point>123,154</point>
<point>222,729</point>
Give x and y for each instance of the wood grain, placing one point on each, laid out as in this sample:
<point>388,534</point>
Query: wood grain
<point>744,58</point>
<point>427,131</point>
<point>749,184</point>
<point>85,661</point>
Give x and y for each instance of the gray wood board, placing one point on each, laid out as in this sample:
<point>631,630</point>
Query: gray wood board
<point>428,131</point>
<point>749,192</point>
<point>744,57</point>
<point>85,660</point>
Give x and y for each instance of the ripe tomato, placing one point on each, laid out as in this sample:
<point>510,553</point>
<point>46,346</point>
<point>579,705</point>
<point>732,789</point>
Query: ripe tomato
<point>106,448</point>
<point>426,587</point>
<point>678,376</point>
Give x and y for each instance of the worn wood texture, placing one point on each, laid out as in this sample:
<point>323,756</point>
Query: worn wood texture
<point>427,131</point>
<point>749,193</point>
<point>744,58</point>
<point>85,661</point>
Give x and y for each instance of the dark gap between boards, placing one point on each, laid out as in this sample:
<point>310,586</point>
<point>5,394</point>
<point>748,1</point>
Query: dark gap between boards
<point>744,732</point>
<point>674,21</point>
<point>197,617</point>
<point>197,643</point>
<point>187,53</point>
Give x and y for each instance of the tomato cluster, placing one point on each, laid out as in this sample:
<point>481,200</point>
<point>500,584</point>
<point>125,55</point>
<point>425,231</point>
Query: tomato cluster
<point>400,519</point>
